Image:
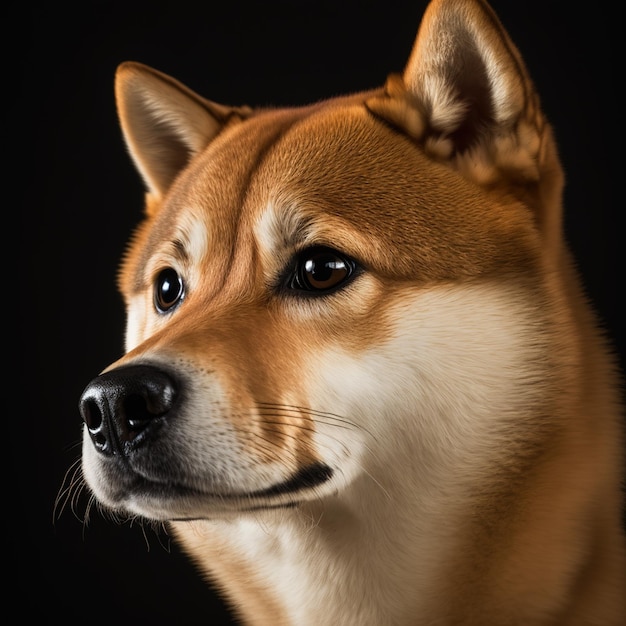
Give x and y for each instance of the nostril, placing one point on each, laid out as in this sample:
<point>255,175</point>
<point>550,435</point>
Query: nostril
<point>92,416</point>
<point>153,399</point>
<point>139,412</point>
<point>159,395</point>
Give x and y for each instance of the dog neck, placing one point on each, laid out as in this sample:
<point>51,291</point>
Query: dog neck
<point>302,565</point>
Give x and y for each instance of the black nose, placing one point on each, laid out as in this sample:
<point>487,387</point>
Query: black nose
<point>124,407</point>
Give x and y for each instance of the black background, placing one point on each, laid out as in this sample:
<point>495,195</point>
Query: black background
<point>77,195</point>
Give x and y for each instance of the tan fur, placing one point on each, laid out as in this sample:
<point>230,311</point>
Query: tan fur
<point>436,441</point>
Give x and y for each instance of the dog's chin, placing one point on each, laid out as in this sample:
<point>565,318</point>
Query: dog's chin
<point>242,509</point>
<point>181,505</point>
<point>126,492</point>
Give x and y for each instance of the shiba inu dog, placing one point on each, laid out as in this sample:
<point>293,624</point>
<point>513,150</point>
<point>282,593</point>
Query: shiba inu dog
<point>362,384</point>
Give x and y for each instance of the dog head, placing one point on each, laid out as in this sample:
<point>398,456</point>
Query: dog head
<point>319,292</point>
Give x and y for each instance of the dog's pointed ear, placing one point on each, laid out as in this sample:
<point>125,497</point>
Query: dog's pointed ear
<point>467,74</point>
<point>467,98</point>
<point>164,123</point>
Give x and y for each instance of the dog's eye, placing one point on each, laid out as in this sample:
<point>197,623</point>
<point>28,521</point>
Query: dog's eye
<point>321,269</point>
<point>168,290</point>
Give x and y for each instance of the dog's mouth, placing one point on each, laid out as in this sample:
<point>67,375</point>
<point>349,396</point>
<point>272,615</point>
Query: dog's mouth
<point>125,490</point>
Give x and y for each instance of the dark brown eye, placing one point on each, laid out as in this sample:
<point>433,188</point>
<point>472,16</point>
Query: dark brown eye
<point>321,269</point>
<point>168,290</point>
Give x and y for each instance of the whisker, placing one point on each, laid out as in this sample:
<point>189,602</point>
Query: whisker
<point>145,536</point>
<point>269,409</point>
<point>327,417</point>
<point>79,490</point>
<point>72,489</point>
<point>63,495</point>
<point>271,446</point>
<point>300,427</point>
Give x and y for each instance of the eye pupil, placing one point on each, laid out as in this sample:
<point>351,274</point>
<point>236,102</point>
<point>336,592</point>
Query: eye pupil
<point>324,271</point>
<point>168,290</point>
<point>321,269</point>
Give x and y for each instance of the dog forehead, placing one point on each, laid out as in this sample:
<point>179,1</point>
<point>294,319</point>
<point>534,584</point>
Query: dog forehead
<point>317,181</point>
<point>336,175</point>
<point>319,161</point>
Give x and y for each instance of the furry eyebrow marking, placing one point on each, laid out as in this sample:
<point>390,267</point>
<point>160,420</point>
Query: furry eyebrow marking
<point>171,252</point>
<point>279,230</point>
<point>192,239</point>
<point>282,228</point>
<point>180,249</point>
<point>188,243</point>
